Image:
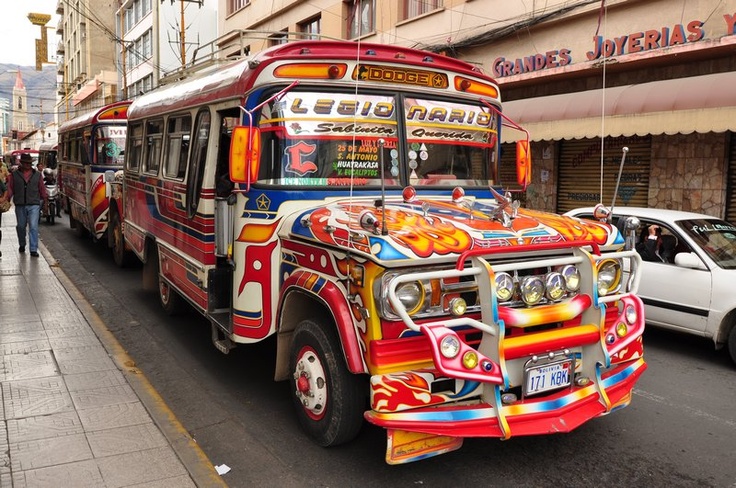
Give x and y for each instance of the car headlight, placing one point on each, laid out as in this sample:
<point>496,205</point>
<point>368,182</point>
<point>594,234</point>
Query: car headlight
<point>504,287</point>
<point>411,296</point>
<point>555,284</point>
<point>571,273</point>
<point>532,290</point>
<point>609,276</point>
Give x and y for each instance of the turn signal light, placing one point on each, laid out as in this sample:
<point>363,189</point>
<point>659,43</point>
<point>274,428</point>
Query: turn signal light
<point>470,360</point>
<point>316,71</point>
<point>471,86</point>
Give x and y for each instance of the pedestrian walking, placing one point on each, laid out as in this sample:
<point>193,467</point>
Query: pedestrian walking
<point>28,193</point>
<point>4,200</point>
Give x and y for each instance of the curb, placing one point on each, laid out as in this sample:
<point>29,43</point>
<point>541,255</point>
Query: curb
<point>195,461</point>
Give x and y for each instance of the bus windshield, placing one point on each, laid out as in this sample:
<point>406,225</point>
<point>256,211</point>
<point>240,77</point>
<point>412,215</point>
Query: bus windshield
<point>110,145</point>
<point>333,139</point>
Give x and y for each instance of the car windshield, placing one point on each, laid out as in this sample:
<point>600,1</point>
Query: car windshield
<point>716,237</point>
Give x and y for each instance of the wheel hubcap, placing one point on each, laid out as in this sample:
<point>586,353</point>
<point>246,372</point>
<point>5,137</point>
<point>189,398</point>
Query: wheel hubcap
<point>164,290</point>
<point>311,387</point>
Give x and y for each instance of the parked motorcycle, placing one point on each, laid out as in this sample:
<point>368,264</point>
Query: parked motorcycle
<point>53,209</point>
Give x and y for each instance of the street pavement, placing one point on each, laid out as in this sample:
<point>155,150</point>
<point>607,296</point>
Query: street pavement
<point>75,410</point>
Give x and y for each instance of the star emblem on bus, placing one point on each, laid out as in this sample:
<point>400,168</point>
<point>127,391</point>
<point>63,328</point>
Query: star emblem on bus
<point>263,202</point>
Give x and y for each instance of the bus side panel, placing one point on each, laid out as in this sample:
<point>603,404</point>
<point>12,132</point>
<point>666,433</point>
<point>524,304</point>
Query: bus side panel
<point>98,202</point>
<point>158,207</point>
<point>74,189</point>
<point>183,275</point>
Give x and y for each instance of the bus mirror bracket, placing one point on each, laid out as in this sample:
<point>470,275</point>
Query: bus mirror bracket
<point>523,149</point>
<point>245,147</point>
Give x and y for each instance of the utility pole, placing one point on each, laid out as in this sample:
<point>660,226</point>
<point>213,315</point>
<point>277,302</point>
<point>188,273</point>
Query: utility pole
<point>124,54</point>
<point>182,41</point>
<point>183,28</point>
<point>42,124</point>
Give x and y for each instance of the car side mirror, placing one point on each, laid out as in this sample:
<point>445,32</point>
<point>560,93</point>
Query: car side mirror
<point>689,260</point>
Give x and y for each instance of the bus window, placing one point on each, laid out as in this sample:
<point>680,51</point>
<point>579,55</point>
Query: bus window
<point>178,134</point>
<point>154,135</point>
<point>197,160</point>
<point>110,145</point>
<point>135,147</point>
<point>83,149</point>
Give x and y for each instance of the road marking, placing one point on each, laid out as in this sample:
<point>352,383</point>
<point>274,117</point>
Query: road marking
<point>679,406</point>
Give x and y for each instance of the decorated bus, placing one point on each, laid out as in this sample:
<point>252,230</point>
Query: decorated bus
<point>90,146</point>
<point>345,197</point>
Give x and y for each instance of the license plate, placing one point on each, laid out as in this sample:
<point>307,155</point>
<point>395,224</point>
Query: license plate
<point>546,377</point>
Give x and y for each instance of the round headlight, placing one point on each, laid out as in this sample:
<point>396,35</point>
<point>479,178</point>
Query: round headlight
<point>631,315</point>
<point>450,346</point>
<point>609,277</point>
<point>504,287</point>
<point>411,296</point>
<point>555,285</point>
<point>571,274</point>
<point>458,306</point>
<point>532,290</point>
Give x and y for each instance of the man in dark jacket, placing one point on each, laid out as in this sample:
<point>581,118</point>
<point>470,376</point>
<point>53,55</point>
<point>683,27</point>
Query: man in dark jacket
<point>26,189</point>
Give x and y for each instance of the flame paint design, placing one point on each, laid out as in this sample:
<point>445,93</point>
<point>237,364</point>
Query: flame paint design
<point>446,227</point>
<point>395,392</point>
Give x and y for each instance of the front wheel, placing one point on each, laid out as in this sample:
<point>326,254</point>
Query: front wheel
<point>51,217</point>
<point>121,257</point>
<point>732,343</point>
<point>329,400</point>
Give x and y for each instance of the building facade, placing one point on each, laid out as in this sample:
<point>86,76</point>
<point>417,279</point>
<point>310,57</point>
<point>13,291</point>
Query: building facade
<point>86,55</point>
<point>158,38</point>
<point>586,78</point>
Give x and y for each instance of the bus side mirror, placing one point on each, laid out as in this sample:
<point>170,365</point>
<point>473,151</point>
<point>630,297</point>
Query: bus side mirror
<point>245,151</point>
<point>523,164</point>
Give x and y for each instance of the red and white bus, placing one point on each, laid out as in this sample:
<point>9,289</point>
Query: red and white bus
<point>91,148</point>
<point>345,198</point>
<point>12,158</point>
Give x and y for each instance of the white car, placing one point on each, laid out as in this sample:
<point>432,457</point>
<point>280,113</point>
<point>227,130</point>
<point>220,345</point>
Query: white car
<point>688,279</point>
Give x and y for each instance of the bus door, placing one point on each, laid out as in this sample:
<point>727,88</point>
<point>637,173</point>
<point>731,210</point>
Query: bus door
<point>222,276</point>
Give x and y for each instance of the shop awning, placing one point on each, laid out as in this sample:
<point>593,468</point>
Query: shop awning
<point>88,89</point>
<point>684,105</point>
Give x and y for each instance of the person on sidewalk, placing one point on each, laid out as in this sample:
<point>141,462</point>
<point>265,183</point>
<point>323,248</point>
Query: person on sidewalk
<point>4,201</point>
<point>26,189</point>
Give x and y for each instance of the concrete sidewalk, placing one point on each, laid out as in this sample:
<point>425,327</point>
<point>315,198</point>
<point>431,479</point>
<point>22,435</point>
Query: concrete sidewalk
<point>75,410</point>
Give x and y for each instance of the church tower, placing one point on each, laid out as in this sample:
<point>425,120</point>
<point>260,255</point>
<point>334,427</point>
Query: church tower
<point>20,106</point>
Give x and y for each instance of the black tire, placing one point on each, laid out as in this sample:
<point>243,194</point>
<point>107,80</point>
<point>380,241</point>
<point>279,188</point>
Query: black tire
<point>149,275</point>
<point>329,400</point>
<point>171,301</point>
<point>116,242</point>
<point>77,226</point>
<point>51,218</point>
<point>732,343</point>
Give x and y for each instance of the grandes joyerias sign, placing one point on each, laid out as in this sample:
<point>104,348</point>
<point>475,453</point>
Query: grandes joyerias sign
<point>631,43</point>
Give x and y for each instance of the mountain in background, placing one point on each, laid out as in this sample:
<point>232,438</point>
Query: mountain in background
<point>41,89</point>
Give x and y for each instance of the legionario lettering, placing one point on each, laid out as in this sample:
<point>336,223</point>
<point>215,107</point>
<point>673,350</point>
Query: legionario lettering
<point>458,116</point>
<point>326,106</point>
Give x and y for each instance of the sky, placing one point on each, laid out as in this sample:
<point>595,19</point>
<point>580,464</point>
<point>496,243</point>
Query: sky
<point>19,35</point>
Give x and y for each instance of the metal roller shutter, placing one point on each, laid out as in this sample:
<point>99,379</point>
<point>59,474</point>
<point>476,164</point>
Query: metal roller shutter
<point>731,189</point>
<point>579,181</point>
